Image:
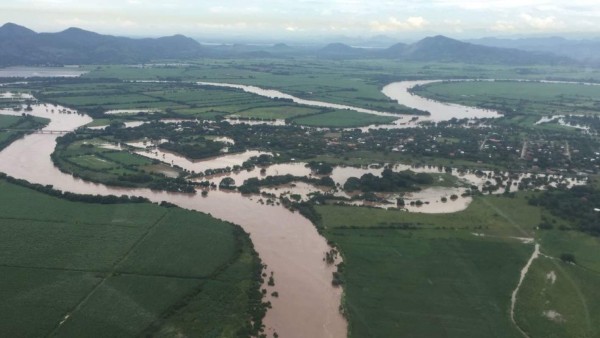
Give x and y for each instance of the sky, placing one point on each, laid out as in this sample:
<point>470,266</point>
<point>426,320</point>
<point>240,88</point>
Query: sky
<point>282,19</point>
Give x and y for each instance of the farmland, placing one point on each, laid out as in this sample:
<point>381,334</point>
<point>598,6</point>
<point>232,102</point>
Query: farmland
<point>403,273</point>
<point>74,269</point>
<point>529,98</point>
<point>436,277</point>
<point>97,160</point>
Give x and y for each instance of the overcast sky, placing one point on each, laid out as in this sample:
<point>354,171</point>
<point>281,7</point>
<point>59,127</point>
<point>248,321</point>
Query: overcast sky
<point>298,18</point>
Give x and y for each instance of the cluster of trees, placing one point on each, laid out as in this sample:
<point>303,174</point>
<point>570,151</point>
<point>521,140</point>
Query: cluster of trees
<point>577,205</point>
<point>320,168</point>
<point>196,150</point>
<point>389,181</point>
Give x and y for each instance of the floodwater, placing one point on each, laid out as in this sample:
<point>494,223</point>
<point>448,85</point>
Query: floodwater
<point>15,96</point>
<point>561,121</point>
<point>199,166</point>
<point>307,306</point>
<point>131,111</point>
<point>439,111</point>
<point>275,94</point>
<point>28,72</point>
<point>398,91</point>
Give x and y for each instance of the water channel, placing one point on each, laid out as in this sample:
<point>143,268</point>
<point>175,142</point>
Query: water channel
<point>308,305</point>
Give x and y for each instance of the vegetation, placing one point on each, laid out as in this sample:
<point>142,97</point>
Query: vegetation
<point>153,270</point>
<point>578,205</point>
<point>389,181</point>
<point>425,260</point>
<point>14,127</point>
<point>122,270</point>
<point>88,157</point>
<point>516,98</point>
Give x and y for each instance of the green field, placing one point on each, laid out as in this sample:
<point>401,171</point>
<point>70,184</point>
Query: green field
<point>185,100</point>
<point>21,126</point>
<point>342,119</point>
<point>75,269</point>
<point>351,82</point>
<point>280,112</point>
<point>428,275</point>
<point>88,159</point>
<point>522,97</point>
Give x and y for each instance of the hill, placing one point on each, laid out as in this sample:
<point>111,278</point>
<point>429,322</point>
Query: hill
<point>443,49</point>
<point>587,51</point>
<point>22,46</point>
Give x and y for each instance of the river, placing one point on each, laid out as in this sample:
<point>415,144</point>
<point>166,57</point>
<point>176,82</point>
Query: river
<point>291,247</point>
<point>308,305</point>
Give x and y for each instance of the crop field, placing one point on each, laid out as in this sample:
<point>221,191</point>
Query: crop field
<point>522,97</point>
<point>342,119</point>
<point>352,82</point>
<point>559,300</point>
<point>76,269</point>
<point>278,112</point>
<point>428,275</point>
<point>185,100</point>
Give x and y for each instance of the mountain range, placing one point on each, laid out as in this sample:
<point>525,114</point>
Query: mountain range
<point>22,46</point>
<point>586,50</point>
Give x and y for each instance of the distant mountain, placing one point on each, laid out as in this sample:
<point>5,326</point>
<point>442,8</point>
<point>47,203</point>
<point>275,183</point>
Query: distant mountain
<point>10,29</point>
<point>21,46</point>
<point>443,49</point>
<point>395,50</point>
<point>583,50</point>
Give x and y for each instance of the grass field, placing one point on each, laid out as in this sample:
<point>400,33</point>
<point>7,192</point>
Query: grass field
<point>74,269</point>
<point>559,300</point>
<point>353,82</point>
<point>342,119</point>
<point>522,97</point>
<point>87,158</point>
<point>280,112</point>
<point>439,279</point>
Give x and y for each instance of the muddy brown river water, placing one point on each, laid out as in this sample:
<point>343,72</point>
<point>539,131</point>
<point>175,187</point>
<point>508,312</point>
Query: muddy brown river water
<point>308,305</point>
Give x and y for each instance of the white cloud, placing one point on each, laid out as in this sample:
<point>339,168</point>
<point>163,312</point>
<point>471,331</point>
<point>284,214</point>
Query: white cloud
<point>393,24</point>
<point>542,23</point>
<point>504,26</point>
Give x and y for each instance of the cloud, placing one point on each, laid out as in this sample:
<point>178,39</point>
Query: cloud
<point>504,26</point>
<point>542,23</point>
<point>393,24</point>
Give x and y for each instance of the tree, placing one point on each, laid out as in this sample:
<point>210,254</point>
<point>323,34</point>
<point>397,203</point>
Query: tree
<point>227,183</point>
